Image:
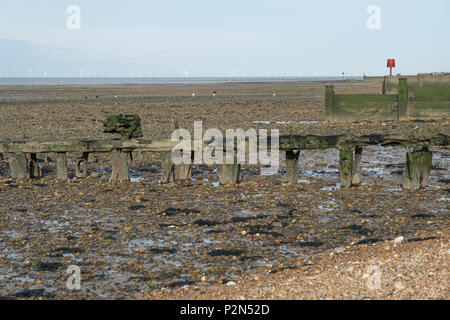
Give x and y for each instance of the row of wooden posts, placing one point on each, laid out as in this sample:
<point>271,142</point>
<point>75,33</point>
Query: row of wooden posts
<point>415,174</point>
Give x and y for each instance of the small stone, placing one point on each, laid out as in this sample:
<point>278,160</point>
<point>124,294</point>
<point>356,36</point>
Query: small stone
<point>277,224</point>
<point>399,240</point>
<point>340,250</point>
<point>399,286</point>
<point>231,283</point>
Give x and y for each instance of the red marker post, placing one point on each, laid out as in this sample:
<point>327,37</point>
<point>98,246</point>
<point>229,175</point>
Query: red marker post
<point>391,64</point>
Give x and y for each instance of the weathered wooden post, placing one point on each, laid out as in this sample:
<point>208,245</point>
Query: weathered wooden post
<point>402,99</point>
<point>174,172</point>
<point>345,167</point>
<point>119,161</point>
<point>35,171</point>
<point>417,168</point>
<point>292,165</point>
<point>81,169</point>
<point>61,166</point>
<point>128,126</point>
<point>329,98</point>
<point>356,179</point>
<point>91,157</point>
<point>230,173</point>
<point>19,166</point>
<point>138,156</point>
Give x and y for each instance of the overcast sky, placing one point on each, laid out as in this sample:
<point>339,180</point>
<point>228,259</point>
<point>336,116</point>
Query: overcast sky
<point>222,38</point>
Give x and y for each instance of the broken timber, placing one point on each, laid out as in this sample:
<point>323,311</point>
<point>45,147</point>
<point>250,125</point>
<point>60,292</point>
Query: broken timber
<point>415,175</point>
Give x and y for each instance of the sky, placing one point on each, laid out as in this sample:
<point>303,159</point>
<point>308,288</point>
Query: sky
<point>202,38</point>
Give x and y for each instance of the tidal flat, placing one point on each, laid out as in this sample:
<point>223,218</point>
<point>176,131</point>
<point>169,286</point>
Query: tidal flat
<point>137,238</point>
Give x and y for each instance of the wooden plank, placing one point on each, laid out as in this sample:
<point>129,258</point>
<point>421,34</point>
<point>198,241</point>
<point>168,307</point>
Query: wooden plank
<point>288,142</point>
<point>88,146</point>
<point>310,142</point>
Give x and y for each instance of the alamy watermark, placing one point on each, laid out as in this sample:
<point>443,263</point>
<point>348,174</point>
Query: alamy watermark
<point>74,19</point>
<point>74,281</point>
<point>374,19</point>
<point>236,144</point>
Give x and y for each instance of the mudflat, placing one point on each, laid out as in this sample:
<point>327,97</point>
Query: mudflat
<point>147,239</point>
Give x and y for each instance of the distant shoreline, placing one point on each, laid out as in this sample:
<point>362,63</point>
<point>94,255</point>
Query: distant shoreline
<point>35,81</point>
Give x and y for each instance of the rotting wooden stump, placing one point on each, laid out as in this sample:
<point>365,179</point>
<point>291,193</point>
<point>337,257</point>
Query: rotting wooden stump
<point>61,166</point>
<point>138,157</point>
<point>174,172</point>
<point>356,178</point>
<point>119,160</point>
<point>230,171</point>
<point>91,158</point>
<point>345,167</point>
<point>35,170</point>
<point>19,166</point>
<point>292,165</point>
<point>417,168</point>
<point>81,168</point>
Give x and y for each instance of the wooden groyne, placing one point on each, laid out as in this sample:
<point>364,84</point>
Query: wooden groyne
<point>415,174</point>
<point>402,98</point>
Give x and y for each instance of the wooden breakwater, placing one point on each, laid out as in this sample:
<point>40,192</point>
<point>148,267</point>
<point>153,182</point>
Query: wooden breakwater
<point>402,98</point>
<point>22,156</point>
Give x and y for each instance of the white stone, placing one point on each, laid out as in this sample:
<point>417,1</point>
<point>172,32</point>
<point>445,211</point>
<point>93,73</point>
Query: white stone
<point>399,240</point>
<point>340,250</point>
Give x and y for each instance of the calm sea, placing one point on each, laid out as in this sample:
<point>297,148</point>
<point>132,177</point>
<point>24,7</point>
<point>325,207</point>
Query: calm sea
<point>182,80</point>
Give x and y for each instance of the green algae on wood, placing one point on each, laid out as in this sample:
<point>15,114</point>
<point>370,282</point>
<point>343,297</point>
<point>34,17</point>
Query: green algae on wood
<point>128,126</point>
<point>417,168</point>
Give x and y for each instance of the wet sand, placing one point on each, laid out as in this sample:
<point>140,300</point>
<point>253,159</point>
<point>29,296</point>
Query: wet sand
<point>131,240</point>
